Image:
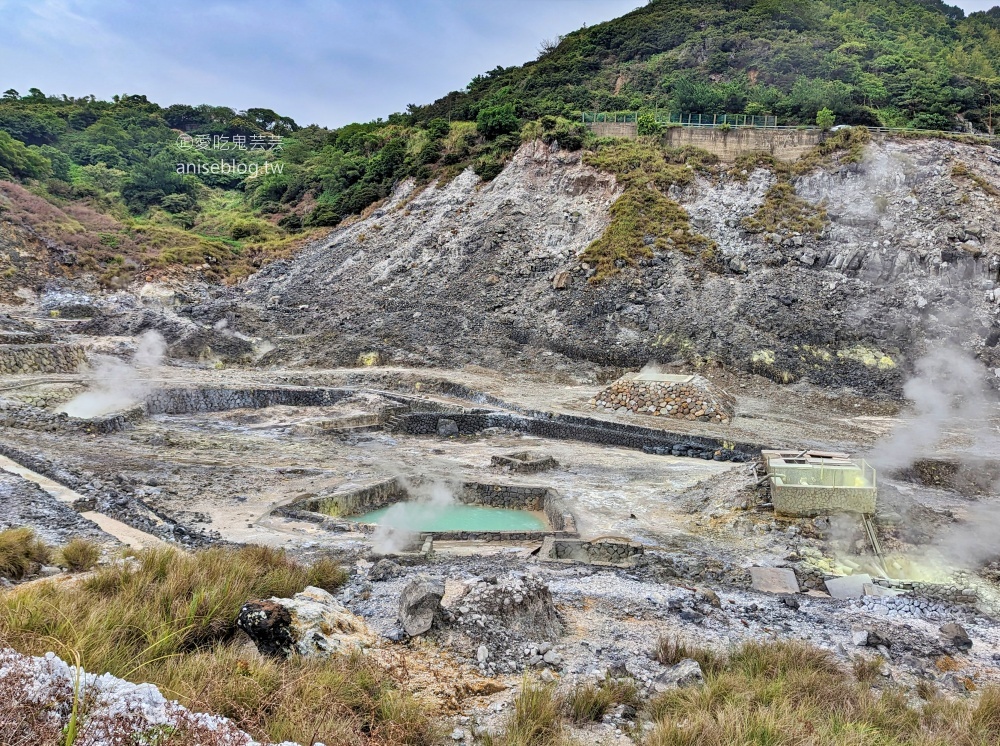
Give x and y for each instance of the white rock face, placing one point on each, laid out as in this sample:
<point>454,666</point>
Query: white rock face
<point>321,625</point>
<point>115,710</point>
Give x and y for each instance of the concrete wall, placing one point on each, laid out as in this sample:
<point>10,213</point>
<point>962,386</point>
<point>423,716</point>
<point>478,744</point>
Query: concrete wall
<point>614,129</point>
<point>785,144</point>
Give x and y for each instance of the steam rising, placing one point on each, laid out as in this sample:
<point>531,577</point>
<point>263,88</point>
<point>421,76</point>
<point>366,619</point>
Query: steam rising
<point>947,391</point>
<point>116,385</point>
<point>950,396</point>
<point>393,533</point>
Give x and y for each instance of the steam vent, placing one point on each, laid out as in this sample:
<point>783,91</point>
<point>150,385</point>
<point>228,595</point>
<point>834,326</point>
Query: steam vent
<point>664,395</point>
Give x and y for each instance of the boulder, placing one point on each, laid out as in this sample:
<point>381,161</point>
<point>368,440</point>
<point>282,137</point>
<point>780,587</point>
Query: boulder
<point>420,604</point>
<point>384,569</point>
<point>685,673</point>
<point>447,428</point>
<point>268,624</point>
<point>955,635</point>
<point>311,623</point>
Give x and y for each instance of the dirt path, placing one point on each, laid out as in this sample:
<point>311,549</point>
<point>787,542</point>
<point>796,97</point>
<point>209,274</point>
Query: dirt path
<point>122,531</point>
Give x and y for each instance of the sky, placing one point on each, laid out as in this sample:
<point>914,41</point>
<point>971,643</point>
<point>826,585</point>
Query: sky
<point>327,62</point>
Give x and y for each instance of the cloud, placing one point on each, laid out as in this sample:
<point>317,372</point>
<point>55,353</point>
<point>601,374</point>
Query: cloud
<point>325,62</point>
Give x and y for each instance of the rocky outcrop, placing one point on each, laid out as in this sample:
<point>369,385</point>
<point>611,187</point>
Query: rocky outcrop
<point>311,623</point>
<point>464,273</point>
<point>420,604</point>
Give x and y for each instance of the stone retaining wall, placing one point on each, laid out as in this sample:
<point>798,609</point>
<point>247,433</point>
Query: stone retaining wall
<point>330,511</point>
<point>957,593</point>
<point>813,501</point>
<point>193,400</point>
<point>41,358</point>
<point>586,429</point>
<point>26,417</point>
<point>523,462</point>
<point>601,552</point>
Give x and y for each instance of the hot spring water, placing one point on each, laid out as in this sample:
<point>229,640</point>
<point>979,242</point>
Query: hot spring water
<point>419,516</point>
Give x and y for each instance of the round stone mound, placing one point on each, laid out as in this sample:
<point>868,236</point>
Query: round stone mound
<point>680,397</point>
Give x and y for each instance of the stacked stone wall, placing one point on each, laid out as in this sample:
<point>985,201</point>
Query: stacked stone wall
<point>41,358</point>
<point>694,400</point>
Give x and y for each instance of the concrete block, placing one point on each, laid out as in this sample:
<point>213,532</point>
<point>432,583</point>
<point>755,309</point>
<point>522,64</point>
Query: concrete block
<point>774,580</point>
<point>849,586</point>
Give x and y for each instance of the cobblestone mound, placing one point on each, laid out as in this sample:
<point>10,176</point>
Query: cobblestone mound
<point>682,398</point>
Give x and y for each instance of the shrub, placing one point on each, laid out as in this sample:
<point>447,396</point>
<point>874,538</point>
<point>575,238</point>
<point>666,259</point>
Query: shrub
<point>246,229</point>
<point>487,167</point>
<point>825,119</point>
<point>80,554</point>
<point>21,553</point>
<point>493,121</point>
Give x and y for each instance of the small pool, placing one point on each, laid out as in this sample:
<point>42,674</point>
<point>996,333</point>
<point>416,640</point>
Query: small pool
<point>414,516</point>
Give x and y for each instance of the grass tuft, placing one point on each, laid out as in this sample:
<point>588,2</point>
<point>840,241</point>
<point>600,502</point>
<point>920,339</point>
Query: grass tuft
<point>644,217</point>
<point>21,553</point>
<point>671,650</point>
<point>80,555</point>
<point>791,693</point>
<point>535,721</point>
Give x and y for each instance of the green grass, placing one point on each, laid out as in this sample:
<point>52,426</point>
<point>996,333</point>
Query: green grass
<point>168,618</point>
<point>783,212</point>
<point>21,553</point>
<point>644,217</point>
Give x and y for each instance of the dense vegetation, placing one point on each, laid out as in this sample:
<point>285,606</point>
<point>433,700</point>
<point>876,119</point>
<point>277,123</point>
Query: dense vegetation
<point>914,63</point>
<point>101,178</point>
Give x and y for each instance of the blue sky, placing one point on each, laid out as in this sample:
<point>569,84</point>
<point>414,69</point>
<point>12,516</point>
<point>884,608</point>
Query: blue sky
<point>328,62</point>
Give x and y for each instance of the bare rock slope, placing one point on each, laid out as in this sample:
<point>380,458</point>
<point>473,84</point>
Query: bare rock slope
<point>463,272</point>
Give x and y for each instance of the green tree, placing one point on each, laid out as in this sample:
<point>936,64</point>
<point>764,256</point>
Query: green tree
<point>19,160</point>
<point>494,121</point>
<point>646,123</point>
<point>825,119</point>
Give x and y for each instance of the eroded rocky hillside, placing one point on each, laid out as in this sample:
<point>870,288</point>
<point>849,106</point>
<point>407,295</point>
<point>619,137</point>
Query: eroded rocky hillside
<point>472,272</point>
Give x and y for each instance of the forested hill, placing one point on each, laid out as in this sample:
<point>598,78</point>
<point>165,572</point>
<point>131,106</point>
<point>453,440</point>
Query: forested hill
<point>101,179</point>
<point>898,63</point>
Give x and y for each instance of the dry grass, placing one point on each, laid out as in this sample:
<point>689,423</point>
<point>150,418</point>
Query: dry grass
<point>961,171</point>
<point>791,694</point>
<point>670,651</point>
<point>589,702</point>
<point>21,553</point>
<point>169,619</point>
<point>536,719</point>
<point>80,555</point>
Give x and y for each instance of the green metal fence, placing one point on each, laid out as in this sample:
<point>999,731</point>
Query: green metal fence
<point>683,119</point>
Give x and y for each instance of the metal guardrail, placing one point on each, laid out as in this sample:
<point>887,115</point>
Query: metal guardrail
<point>756,122</point>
